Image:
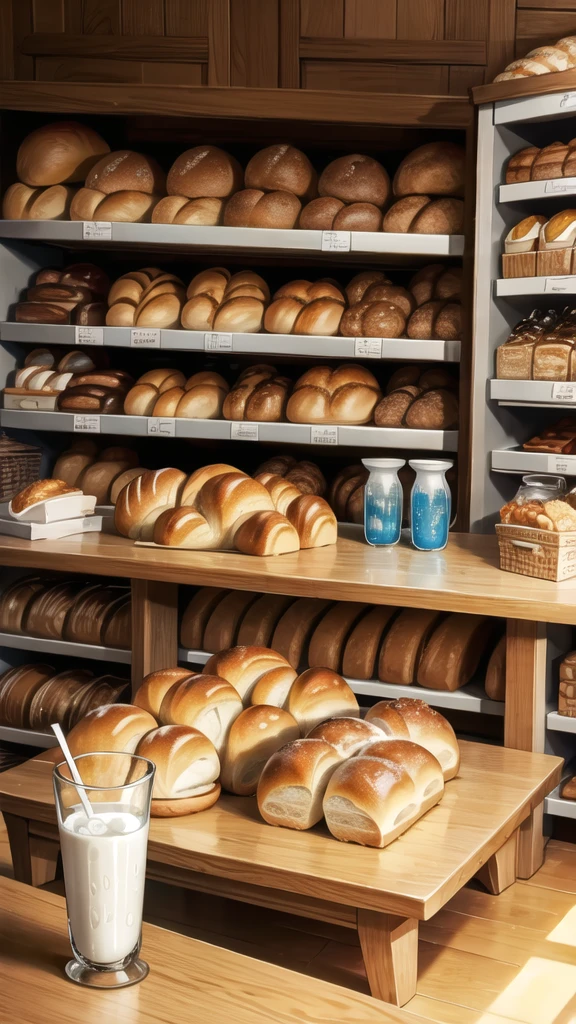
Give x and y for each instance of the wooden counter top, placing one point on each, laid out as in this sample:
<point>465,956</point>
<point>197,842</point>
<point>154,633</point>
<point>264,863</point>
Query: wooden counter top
<point>464,577</point>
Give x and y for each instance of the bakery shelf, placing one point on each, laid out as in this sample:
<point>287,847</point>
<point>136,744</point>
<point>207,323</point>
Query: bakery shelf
<point>225,239</point>
<point>27,737</point>
<point>516,460</point>
<point>560,723</point>
<point>278,433</point>
<point>552,394</point>
<point>57,647</point>
<point>323,347</point>
<point>469,698</point>
<point>553,187</point>
<point>512,286</point>
<point>555,804</point>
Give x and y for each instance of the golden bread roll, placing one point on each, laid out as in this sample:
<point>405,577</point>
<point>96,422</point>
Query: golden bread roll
<point>167,403</point>
<point>319,214</point>
<point>122,480</point>
<point>293,783</point>
<point>64,151</point>
<point>369,801</point>
<point>358,217</point>
<point>203,397</point>
<point>313,520</point>
<point>319,694</point>
<point>17,201</point>
<point>355,179</point>
<point>412,719</point>
<point>40,490</point>
<point>70,466</point>
<point>347,735</point>
<point>98,477</point>
<point>242,667</point>
<point>284,168</point>
<point>199,477</point>
<point>85,203</point>
<point>401,216</point>
<point>253,208</point>
<point>256,734</point>
<point>163,379</point>
<point>142,500</point>
<point>198,313</point>
<point>282,492</point>
<point>166,209</point>
<point>266,533</point>
<point>436,409</point>
<point>51,204</point>
<point>187,770</point>
<point>274,686</point>
<point>204,171</point>
<point>423,768</point>
<point>437,169</point>
<point>196,615</point>
<point>209,282</point>
<point>205,702</point>
<point>127,171</point>
<point>206,211</point>
<point>156,685</point>
<point>127,207</point>
<point>140,400</point>
<point>373,319</point>
<point>347,394</point>
<point>241,313</point>
<point>113,727</point>
<point>519,166</point>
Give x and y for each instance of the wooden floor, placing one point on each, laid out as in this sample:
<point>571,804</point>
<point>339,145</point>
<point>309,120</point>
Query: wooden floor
<point>483,959</point>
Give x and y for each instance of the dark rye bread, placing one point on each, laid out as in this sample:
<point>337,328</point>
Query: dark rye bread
<point>196,615</point>
<point>454,650</point>
<point>295,628</point>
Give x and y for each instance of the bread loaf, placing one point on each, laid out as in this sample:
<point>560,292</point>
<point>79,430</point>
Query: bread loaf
<point>347,735</point>
<point>431,217</point>
<point>330,214</point>
<point>258,394</point>
<point>273,688</point>
<point>253,208</point>
<point>402,214</point>
<point>519,166</point>
<point>196,615</point>
<point>15,599</point>
<point>453,652</point>
<point>91,398</point>
<point>122,480</point>
<point>63,151</point>
<point>318,694</point>
<point>568,791</point>
<point>362,645</point>
<point>203,397</point>
<point>199,477</point>
<point>187,770</point>
<point>294,628</point>
<point>293,783</point>
<point>369,801</point>
<point>329,638</point>
<point>71,464</point>
<point>313,520</point>
<point>17,201</point>
<point>242,667</point>
<point>156,685</point>
<point>98,478</point>
<point>256,734</point>
<point>281,168</point>
<point>404,644</point>
<point>423,283</point>
<point>18,688</point>
<point>222,627</point>
<point>111,727</point>
<point>422,767</point>
<point>125,170</point>
<point>437,168</point>
<point>282,492</point>
<point>144,499</point>
<point>373,319</point>
<point>436,409</point>
<point>204,171</point>
<point>46,612</point>
<point>346,395</point>
<point>267,533</point>
<point>355,179</point>
<point>415,720</point>
<point>40,490</point>
<point>495,681</point>
<point>117,626</point>
<point>207,703</point>
<point>359,284</point>
<point>89,613</point>
<point>319,214</point>
<point>167,208</point>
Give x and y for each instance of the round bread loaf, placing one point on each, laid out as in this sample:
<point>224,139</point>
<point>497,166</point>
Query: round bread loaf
<point>187,770</point>
<point>64,151</point>
<point>355,179</point>
<point>111,727</point>
<point>84,203</point>
<point>401,215</point>
<point>242,314</point>
<point>274,686</point>
<point>358,286</point>
<point>319,694</point>
<point>98,477</point>
<point>253,208</point>
<point>347,394</point>
<point>125,170</point>
<point>293,783</point>
<point>319,214</point>
<point>205,702</point>
<point>441,217</point>
<point>436,319</point>
<point>167,403</point>
<point>199,312</point>
<point>266,532</point>
<point>437,169</point>
<point>281,168</point>
<point>256,734</point>
<point>394,293</point>
<point>413,719</point>
<point>374,319</point>
<point>358,217</point>
<point>422,767</point>
<point>204,394</point>
<point>346,735</point>
<point>209,282</point>
<point>244,666</point>
<point>369,801</point>
<point>204,171</point>
<point>423,284</point>
<point>17,201</point>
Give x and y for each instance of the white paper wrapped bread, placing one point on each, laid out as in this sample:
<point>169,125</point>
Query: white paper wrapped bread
<point>257,733</point>
<point>413,719</point>
<point>187,770</point>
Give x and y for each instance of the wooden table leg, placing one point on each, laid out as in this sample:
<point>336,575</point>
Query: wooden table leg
<point>390,949</point>
<point>44,854</point>
<point>154,628</point>
<point>19,839</point>
<point>499,872</point>
<point>530,843</point>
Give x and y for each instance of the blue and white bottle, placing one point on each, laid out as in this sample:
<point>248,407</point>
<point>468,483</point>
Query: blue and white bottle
<point>383,502</point>
<point>430,505</point>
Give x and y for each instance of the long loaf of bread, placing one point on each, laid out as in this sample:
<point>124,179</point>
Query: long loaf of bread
<point>404,643</point>
<point>454,650</point>
<point>329,638</point>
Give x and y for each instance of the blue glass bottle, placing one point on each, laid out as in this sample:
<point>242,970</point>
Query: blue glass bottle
<point>430,505</point>
<point>383,502</point>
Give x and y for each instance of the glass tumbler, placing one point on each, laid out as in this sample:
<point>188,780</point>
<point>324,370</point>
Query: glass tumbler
<point>104,860</point>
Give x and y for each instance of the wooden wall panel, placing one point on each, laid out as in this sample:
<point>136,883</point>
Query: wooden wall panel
<point>48,15</point>
<point>143,17</point>
<point>466,19</point>
<point>534,27</point>
<point>461,79</point>
<point>254,33</point>
<point>370,19</point>
<point>86,69</point>
<point>323,18</point>
<point>421,19</point>
<point>371,77</point>
<point>160,73</point>
<point>501,36</point>
<point>101,17</point>
<point>219,42</point>
<point>186,17</point>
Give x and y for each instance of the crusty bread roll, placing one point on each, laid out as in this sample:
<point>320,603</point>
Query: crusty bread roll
<point>187,770</point>
<point>347,735</point>
<point>222,626</point>
<point>256,734</point>
<point>166,209</point>
<point>318,694</point>
<point>258,395</point>
<point>199,312</point>
<point>209,282</point>
<point>120,482</point>
<point>454,650</point>
<point>379,318</point>
<point>363,643</point>
<point>404,643</point>
<point>144,498</point>
<point>51,203</point>
<point>204,171</point>
<point>111,727</point>
<point>207,703</point>
<point>437,169</point>
<point>436,319</point>
<point>125,170</point>
<point>319,214</point>
<point>98,477</point>
<point>242,667</point>
<point>415,720</point>
<point>129,207</point>
<point>240,313</point>
<point>401,215</point>
<point>294,628</point>
<point>199,477</point>
<point>40,490</point>
<point>155,686</point>
<point>282,492</point>
<point>196,614</point>
<point>347,394</point>
<point>441,217</point>
<point>267,533</point>
<point>274,686</point>
<point>329,214</point>
<point>355,179</point>
<point>495,681</point>
<point>84,204</point>
<point>359,284</point>
<point>436,409</point>
<point>369,801</point>
<point>200,211</point>
<point>204,395</point>
<point>281,168</point>
<point>17,201</point>
<point>422,767</point>
<point>423,283</point>
<point>329,638</point>
<point>293,783</point>
<point>64,151</point>
<point>70,465</point>
<point>253,208</point>
<point>313,520</point>
<point>519,166</point>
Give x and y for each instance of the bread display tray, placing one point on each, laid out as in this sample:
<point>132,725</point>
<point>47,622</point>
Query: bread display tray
<point>51,531</point>
<point>541,553</point>
<point>52,510</point>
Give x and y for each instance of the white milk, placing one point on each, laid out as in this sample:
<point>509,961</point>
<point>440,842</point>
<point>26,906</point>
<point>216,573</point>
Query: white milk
<point>104,876</point>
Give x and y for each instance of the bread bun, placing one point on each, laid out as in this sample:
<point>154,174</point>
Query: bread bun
<point>166,209</point>
<point>373,319</point>
<point>242,667</point>
<point>84,203</point>
<point>205,702</point>
<point>358,217</point>
<point>125,170</point>
<point>319,694</point>
<point>241,314</point>
<point>346,735</point>
<point>197,613</point>
<point>519,166</point>
<point>355,179</point>
<point>369,801</point>
<point>256,734</point>
<point>281,168</point>
<point>436,409</point>
<point>112,727</point>
<point>436,319</point>
<point>199,312</point>
<point>155,686</point>
<point>274,686</point>
<point>319,214</point>
<point>437,169</point>
<point>204,171</point>
<point>266,533</point>
<point>415,720</point>
<point>293,783</point>
<point>423,283</point>
<point>209,282</point>
<point>393,293</point>
<point>128,207</point>
<point>18,199</point>
<point>253,208</point>
<point>64,151</point>
<point>141,502</point>
<point>203,396</point>
<point>402,214</point>
<point>441,217</point>
<point>51,203</point>
<point>187,770</point>
<point>206,211</point>
<point>422,767</point>
<point>347,394</point>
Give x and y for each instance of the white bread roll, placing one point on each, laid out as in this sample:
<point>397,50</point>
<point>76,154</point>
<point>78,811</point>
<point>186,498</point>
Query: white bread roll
<point>155,686</point>
<point>242,314</point>
<point>187,770</point>
<point>64,151</point>
<point>318,694</point>
<point>369,801</point>
<point>207,703</point>
<point>144,498</point>
<point>281,167</point>
<point>355,179</point>
<point>282,492</point>
<point>274,686</point>
<point>124,170</point>
<point>415,720</point>
<point>18,199</point>
<point>244,666</point>
<point>422,767</point>
<point>165,211</point>
<point>256,734</point>
<point>203,396</point>
<point>204,171</point>
<point>51,203</point>
<point>111,727</point>
<point>347,735</point>
<point>293,783</point>
<point>199,477</point>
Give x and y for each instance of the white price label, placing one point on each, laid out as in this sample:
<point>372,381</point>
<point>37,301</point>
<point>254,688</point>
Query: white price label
<point>559,464</point>
<point>144,337</point>
<point>98,230</point>
<point>89,336</point>
<point>217,342</point>
<point>568,101</point>
<point>368,348</point>
<point>335,241</point>
<point>560,186</point>
<point>244,431</point>
<point>560,285</point>
<point>323,435</point>
<point>84,424</point>
<point>564,392</point>
<point>161,426</point>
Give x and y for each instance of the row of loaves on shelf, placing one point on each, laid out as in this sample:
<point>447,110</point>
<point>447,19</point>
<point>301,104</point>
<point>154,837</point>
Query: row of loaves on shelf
<point>393,645</point>
<point>540,347</point>
<point>542,60</point>
<point>33,696</point>
<point>279,188</point>
<point>370,305</point>
<point>251,706</point>
<point>540,246</point>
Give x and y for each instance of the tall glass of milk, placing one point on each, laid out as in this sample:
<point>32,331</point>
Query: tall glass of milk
<point>104,861</point>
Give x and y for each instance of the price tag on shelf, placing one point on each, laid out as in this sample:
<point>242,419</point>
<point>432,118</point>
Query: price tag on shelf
<point>89,335</point>
<point>324,435</point>
<point>568,101</point>
<point>84,424</point>
<point>560,186</point>
<point>244,431</point>
<point>560,285</point>
<point>560,464</point>
<point>217,342</point>
<point>161,426</point>
<point>368,348</point>
<point>335,241</point>
<point>97,230</point>
<point>145,337</point>
<point>564,392</point>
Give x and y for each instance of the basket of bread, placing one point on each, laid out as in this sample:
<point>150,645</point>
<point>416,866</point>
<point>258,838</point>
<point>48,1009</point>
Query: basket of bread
<point>537,531</point>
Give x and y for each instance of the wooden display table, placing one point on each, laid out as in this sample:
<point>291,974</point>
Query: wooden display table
<point>230,851</point>
<point>190,982</point>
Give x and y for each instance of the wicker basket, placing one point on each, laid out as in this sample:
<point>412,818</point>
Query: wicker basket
<point>540,553</point>
<point>19,466</point>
